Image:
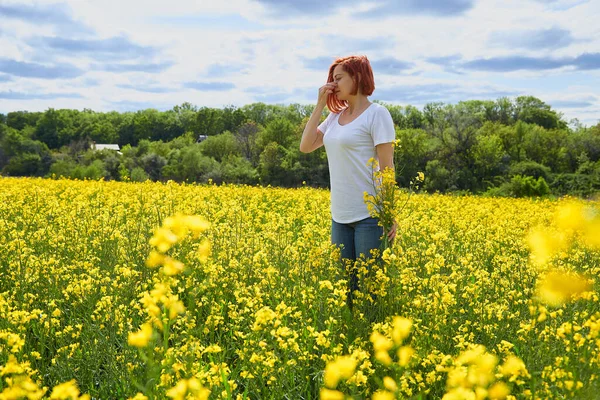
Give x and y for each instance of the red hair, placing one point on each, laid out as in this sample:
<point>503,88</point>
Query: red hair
<point>359,69</point>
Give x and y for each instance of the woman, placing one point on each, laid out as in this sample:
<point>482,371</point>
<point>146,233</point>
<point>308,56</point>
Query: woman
<point>355,131</point>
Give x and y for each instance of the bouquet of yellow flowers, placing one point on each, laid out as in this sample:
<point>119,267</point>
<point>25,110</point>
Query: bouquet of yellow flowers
<point>386,202</point>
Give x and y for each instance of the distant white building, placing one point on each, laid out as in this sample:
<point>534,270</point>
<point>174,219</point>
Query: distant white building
<point>98,146</point>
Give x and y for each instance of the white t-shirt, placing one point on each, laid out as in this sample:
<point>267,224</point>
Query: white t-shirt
<point>349,148</point>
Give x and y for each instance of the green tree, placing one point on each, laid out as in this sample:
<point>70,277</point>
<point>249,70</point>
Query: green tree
<point>153,164</point>
<point>505,111</point>
<point>246,139</point>
<point>583,141</point>
<point>139,175</point>
<point>527,186</point>
<point>186,116</point>
<point>96,127</point>
<point>279,130</point>
<point>414,118</point>
<point>270,166</point>
<point>257,112</point>
<point>55,128</point>
<point>31,157</point>
<point>63,168</point>
<point>190,165</point>
<point>20,119</point>
<point>209,121</point>
<point>147,125</point>
<point>411,154</point>
<point>161,148</point>
<point>236,169</point>
<point>220,146</point>
<point>457,141</point>
<point>126,130</point>
<point>489,158</point>
<point>534,111</point>
<point>481,110</point>
<point>547,147</point>
<point>513,139</point>
<point>438,178</point>
<point>529,168</point>
<point>436,122</point>
<point>24,164</point>
<point>187,139</point>
<point>233,118</point>
<point>312,167</point>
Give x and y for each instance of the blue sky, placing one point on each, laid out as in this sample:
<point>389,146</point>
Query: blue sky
<point>128,55</point>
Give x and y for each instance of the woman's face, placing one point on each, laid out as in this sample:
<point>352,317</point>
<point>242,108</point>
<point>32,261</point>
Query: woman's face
<point>344,83</point>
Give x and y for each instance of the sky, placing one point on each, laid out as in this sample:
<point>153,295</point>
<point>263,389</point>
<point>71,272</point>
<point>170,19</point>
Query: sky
<point>127,55</point>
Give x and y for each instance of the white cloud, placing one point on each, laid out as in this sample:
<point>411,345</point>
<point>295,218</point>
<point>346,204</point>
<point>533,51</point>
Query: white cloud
<point>242,43</point>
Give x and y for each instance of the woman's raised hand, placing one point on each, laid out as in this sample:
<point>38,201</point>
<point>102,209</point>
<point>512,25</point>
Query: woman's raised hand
<point>324,92</point>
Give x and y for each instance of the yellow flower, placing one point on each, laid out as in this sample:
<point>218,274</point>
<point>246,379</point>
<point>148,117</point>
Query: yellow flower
<point>178,391</point>
<point>11,367</point>
<point>341,368</point>
<point>155,259</point>
<point>405,353</point>
<point>204,250</point>
<point>196,223</point>
<point>380,342</point>
<point>138,396</point>
<point>513,367</point>
<point>383,357</point>
<point>460,393</point>
<point>22,387</point>
<point>390,384</point>
<point>163,239</point>
<point>498,391</point>
<point>473,368</point>
<point>172,267</point>
<point>326,284</point>
<point>174,305</point>
<point>557,287</point>
<point>544,245</point>
<point>263,317</point>
<point>141,337</point>
<point>64,391</point>
<point>188,389</point>
<point>401,329</point>
<point>480,393</point>
<point>570,216</point>
<point>382,203</point>
<point>328,394</point>
<point>213,348</point>
<point>176,224</point>
<point>383,395</point>
<point>591,234</point>
<point>16,342</point>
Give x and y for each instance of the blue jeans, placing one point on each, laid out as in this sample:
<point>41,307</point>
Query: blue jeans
<point>356,240</point>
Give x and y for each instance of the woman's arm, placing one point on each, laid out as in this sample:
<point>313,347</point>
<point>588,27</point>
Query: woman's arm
<point>385,154</point>
<point>312,138</point>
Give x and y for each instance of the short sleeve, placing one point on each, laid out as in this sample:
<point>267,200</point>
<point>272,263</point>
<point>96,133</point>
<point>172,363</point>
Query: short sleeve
<point>382,128</point>
<point>325,124</point>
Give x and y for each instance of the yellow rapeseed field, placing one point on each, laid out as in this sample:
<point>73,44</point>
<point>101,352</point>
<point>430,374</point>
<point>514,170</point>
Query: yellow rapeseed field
<point>112,290</point>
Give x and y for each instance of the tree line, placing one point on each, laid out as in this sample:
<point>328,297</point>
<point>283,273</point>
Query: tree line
<point>507,147</point>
